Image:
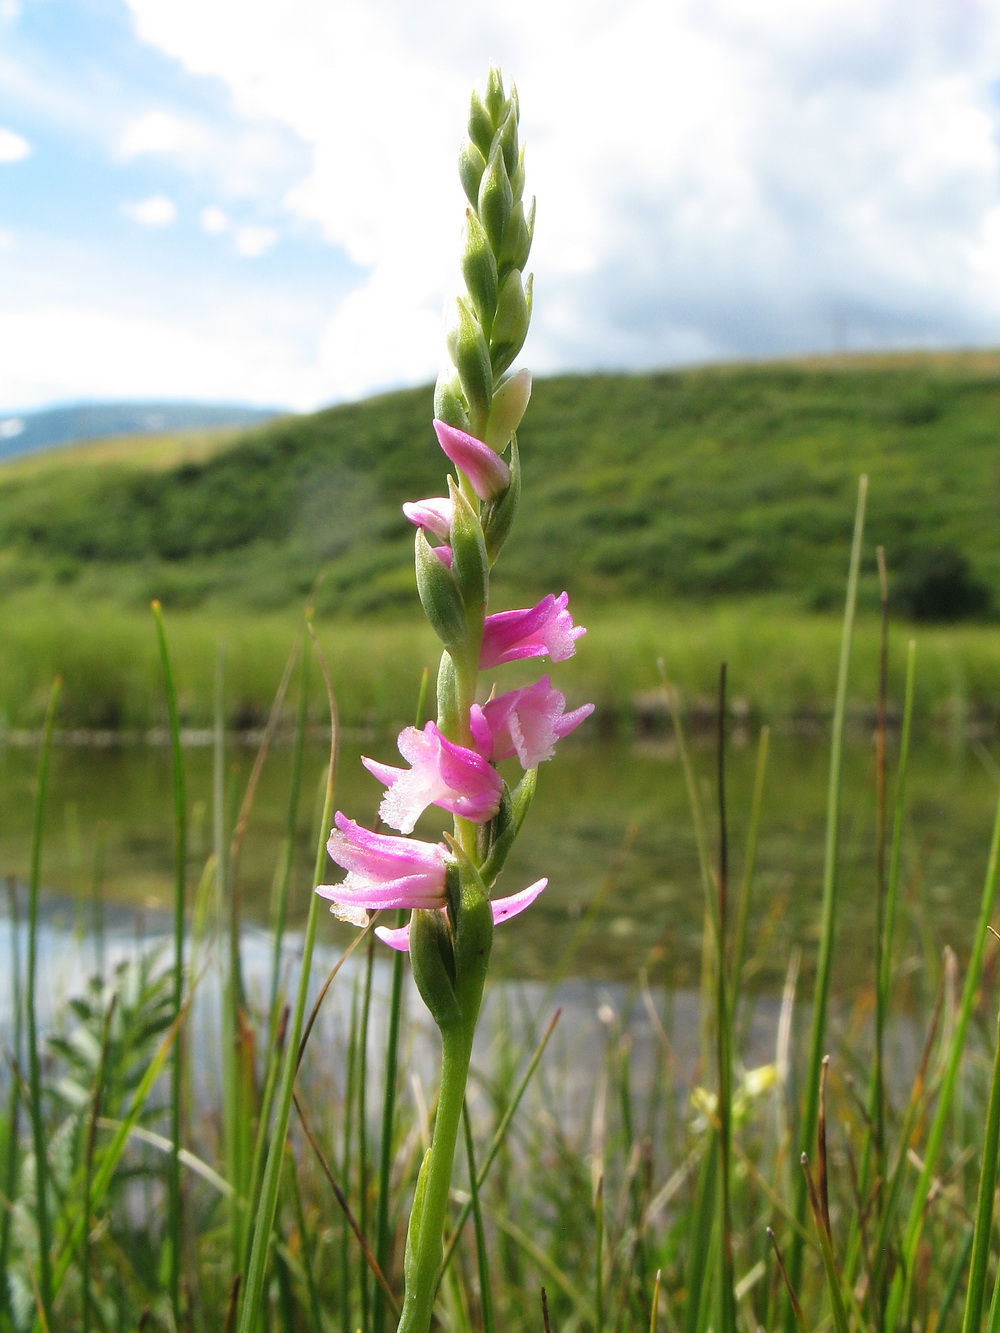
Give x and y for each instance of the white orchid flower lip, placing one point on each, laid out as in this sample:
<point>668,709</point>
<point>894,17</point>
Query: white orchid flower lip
<point>502,908</point>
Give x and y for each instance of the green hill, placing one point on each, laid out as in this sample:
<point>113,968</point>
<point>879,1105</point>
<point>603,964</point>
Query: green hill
<point>698,484</point>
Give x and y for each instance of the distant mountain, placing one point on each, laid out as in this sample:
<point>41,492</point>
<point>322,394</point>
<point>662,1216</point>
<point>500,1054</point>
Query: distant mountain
<point>25,432</point>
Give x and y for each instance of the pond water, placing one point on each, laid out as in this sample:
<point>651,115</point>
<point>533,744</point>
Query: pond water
<point>611,827</point>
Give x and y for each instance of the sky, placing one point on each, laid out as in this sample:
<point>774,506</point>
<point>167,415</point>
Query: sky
<point>256,201</point>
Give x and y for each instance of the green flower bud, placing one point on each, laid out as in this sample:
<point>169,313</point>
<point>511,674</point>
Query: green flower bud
<point>480,125</point>
<point>439,595</point>
<point>449,401</point>
<point>517,240</point>
<point>480,271</point>
<point>494,99</point>
<point>496,198</point>
<point>469,564</point>
<point>517,178</point>
<point>510,327</point>
<point>507,138</point>
<point>471,356</point>
<point>471,165</point>
<point>510,400</point>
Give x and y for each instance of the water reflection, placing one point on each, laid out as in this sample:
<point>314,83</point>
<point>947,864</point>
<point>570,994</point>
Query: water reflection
<point>611,828</point>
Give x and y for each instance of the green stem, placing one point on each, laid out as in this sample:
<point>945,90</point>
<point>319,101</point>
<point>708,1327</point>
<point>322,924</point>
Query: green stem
<point>425,1239</point>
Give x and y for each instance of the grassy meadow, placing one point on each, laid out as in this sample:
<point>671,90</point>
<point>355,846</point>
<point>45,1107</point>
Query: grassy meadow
<point>782,664</point>
<point>201,1141</point>
<point>193,1122</point>
<point>700,484</point>
<point>695,515</point>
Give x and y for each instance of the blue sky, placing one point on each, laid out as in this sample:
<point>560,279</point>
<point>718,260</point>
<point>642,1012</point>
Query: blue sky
<point>248,201</point>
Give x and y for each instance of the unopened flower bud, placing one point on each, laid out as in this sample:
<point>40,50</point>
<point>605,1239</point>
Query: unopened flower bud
<point>486,470</point>
<point>517,239</point>
<point>449,403</point>
<point>510,327</point>
<point>517,178</point>
<point>507,138</point>
<point>471,356</point>
<point>433,515</point>
<point>494,99</point>
<point>496,198</point>
<point>479,269</point>
<point>509,403</point>
<point>439,595</point>
<point>480,125</point>
<point>471,165</point>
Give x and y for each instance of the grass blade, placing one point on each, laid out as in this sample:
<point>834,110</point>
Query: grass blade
<point>833,1281</point>
<point>180,891</point>
<point>817,1039</point>
<point>976,1295</point>
<point>485,1294</point>
<point>263,1221</point>
<point>38,1132</point>
<point>900,1292</point>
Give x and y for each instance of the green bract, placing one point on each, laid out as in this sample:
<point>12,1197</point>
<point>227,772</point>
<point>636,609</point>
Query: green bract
<point>439,595</point>
<point>470,353</point>
<point>498,514</point>
<point>469,563</point>
<point>433,960</point>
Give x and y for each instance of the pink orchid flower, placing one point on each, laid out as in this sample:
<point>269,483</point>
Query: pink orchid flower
<point>432,515</point>
<point>525,722</point>
<point>384,871</point>
<point>502,909</point>
<point>545,630</point>
<point>486,470</point>
<point>441,773</point>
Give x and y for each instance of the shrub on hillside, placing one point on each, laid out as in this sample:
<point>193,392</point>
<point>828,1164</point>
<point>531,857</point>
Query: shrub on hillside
<point>937,584</point>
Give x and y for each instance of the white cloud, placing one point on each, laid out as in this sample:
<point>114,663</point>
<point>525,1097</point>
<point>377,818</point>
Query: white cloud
<point>64,351</point>
<point>714,179</point>
<point>14,147</point>
<point>10,10</point>
<point>252,241</point>
<point>215,220</point>
<point>159,132</point>
<point>158,210</point>
<point>249,158</point>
